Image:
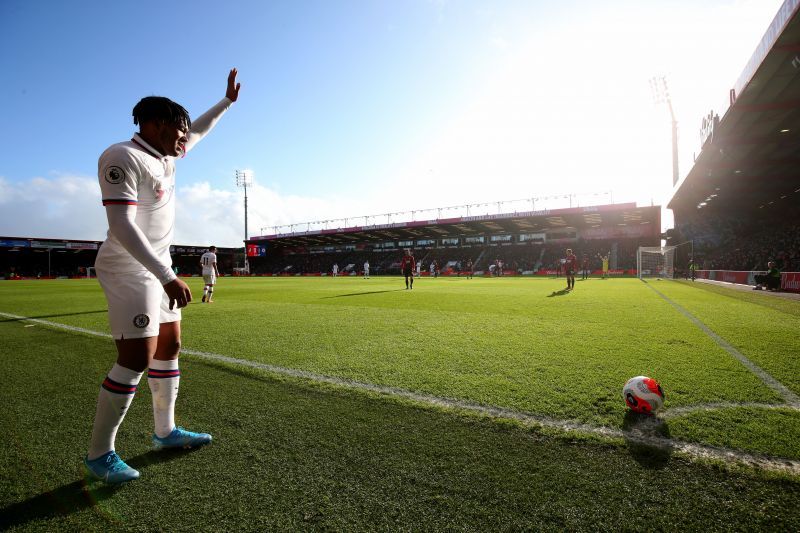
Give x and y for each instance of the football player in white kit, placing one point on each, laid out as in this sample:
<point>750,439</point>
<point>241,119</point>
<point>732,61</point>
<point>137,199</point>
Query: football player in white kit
<point>208,261</point>
<point>366,269</point>
<point>137,181</point>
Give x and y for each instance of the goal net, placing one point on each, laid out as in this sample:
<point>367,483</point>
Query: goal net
<point>655,262</point>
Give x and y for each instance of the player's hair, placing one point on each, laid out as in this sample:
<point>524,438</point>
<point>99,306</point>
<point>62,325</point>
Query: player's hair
<point>212,248</point>
<point>569,250</point>
<point>162,109</point>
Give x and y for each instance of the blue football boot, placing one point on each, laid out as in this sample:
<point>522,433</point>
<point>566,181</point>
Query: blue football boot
<point>110,468</point>
<point>180,438</point>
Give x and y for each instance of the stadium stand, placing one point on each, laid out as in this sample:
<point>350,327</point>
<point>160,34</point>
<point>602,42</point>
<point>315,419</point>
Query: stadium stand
<point>526,243</point>
<point>739,204</point>
<point>32,258</point>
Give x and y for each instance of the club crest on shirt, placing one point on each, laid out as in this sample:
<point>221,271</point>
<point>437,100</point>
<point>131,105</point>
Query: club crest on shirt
<point>141,321</point>
<point>114,175</point>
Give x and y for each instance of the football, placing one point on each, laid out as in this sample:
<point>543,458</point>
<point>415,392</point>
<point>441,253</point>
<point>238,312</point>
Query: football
<point>643,395</point>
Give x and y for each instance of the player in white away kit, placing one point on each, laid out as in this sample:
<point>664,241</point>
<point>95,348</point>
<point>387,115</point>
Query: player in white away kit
<point>335,270</point>
<point>137,181</point>
<point>366,269</point>
<point>208,261</point>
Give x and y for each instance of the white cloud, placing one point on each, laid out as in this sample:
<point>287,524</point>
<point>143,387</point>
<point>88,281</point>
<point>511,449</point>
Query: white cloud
<point>62,207</point>
<point>69,207</point>
<point>205,214</point>
<point>500,43</point>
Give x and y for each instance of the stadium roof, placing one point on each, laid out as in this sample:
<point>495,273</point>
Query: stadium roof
<point>750,157</point>
<point>543,221</point>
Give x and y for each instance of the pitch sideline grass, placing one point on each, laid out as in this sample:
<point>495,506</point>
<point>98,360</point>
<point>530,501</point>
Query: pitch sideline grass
<point>507,343</point>
<point>292,456</point>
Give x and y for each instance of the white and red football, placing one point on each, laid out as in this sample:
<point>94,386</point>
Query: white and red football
<point>643,395</point>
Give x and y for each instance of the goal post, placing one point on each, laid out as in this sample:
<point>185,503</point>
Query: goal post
<point>655,262</point>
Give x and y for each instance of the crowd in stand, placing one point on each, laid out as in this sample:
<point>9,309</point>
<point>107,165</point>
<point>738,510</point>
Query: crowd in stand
<point>734,243</point>
<point>496,259</point>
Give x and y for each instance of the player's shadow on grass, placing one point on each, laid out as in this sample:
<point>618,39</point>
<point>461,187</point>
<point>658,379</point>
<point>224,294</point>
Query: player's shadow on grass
<point>53,316</point>
<point>76,496</point>
<point>360,293</point>
<point>648,440</point>
<point>562,292</point>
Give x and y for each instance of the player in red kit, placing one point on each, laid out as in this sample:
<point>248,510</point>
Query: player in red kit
<point>407,266</point>
<point>570,266</point>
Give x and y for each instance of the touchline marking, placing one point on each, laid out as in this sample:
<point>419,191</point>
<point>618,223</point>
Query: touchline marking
<point>641,434</point>
<point>790,397</point>
<point>675,412</point>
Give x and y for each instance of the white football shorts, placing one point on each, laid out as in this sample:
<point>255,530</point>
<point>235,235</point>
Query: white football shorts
<point>209,279</point>
<point>137,304</point>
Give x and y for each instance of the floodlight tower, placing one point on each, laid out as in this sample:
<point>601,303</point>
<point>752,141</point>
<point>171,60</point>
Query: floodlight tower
<point>243,179</point>
<point>660,96</point>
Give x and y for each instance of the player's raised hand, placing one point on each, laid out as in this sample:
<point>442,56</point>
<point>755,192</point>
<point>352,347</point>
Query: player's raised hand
<point>178,292</point>
<point>233,88</point>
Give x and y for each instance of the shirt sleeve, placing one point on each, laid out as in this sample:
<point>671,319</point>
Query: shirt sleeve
<point>117,172</point>
<point>206,122</point>
<point>121,223</point>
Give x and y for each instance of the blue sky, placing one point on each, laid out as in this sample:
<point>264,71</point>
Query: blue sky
<point>360,107</point>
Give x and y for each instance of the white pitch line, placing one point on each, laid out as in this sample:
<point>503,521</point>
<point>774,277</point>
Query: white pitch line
<point>675,412</point>
<point>641,434</point>
<point>790,397</point>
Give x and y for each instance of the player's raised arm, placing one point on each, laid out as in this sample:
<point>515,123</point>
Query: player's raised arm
<point>232,93</point>
<point>206,122</point>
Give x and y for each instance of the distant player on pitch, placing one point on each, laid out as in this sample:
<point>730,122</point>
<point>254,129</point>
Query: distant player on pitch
<point>585,267</point>
<point>137,182</point>
<point>407,266</point>
<point>570,266</point>
<point>366,269</point>
<point>208,261</point>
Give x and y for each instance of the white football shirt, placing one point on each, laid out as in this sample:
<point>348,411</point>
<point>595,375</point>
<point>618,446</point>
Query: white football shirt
<point>207,260</point>
<point>135,173</point>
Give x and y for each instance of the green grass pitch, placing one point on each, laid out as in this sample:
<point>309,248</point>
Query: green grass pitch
<point>483,404</point>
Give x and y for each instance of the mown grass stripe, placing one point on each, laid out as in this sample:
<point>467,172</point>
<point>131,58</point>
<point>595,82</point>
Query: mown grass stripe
<point>791,398</point>
<point>641,434</point>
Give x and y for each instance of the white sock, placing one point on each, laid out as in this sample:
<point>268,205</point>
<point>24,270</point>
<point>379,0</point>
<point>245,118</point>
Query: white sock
<point>163,377</point>
<point>205,290</point>
<point>210,292</point>
<point>116,395</point>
